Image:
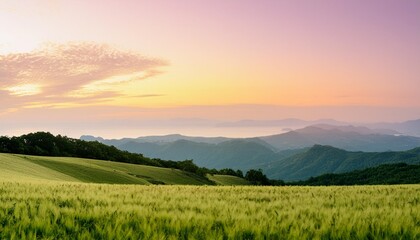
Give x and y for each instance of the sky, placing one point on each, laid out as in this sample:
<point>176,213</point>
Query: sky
<point>135,68</point>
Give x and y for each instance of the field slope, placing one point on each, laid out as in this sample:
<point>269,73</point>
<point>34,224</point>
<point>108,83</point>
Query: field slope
<point>227,180</point>
<point>13,166</point>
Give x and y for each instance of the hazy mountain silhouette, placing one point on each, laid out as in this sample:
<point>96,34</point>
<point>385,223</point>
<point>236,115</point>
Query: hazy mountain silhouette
<point>156,139</point>
<point>241,154</point>
<point>284,123</point>
<point>287,156</point>
<point>411,127</point>
<point>346,137</point>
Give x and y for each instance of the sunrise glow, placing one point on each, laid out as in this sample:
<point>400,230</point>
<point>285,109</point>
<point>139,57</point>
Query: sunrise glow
<point>24,90</point>
<point>191,59</point>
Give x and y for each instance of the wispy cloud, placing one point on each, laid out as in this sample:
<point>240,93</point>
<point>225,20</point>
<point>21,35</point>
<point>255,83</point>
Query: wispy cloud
<point>78,72</point>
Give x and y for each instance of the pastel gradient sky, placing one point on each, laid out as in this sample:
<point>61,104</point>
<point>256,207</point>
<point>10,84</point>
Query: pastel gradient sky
<point>112,68</point>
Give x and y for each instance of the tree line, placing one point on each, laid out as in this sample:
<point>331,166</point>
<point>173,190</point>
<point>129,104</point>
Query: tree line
<point>398,173</point>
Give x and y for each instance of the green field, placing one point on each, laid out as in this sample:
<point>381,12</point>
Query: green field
<point>53,210</point>
<point>13,166</point>
<point>66,198</point>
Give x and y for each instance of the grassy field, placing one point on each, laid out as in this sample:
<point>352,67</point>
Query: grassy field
<point>66,198</point>
<point>54,210</point>
<point>90,171</point>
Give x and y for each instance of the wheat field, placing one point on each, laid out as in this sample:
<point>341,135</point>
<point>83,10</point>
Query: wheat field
<point>63,210</point>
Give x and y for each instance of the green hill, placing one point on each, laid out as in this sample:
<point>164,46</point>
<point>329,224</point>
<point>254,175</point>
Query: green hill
<point>399,173</point>
<point>24,167</point>
<point>46,144</point>
<point>320,160</point>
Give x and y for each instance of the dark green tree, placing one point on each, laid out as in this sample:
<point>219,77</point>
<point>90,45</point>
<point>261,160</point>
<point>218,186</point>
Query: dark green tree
<point>257,177</point>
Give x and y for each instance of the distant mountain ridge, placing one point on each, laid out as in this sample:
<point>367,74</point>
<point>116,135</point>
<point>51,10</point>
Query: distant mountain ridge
<point>346,137</point>
<point>288,165</point>
<point>411,128</point>
<point>238,153</point>
<point>285,123</point>
<point>155,139</point>
<point>357,129</point>
<point>295,155</point>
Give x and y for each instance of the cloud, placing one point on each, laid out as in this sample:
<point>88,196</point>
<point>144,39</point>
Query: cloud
<point>148,95</point>
<point>77,72</point>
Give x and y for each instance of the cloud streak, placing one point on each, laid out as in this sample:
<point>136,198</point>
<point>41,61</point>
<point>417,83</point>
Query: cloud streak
<point>77,72</point>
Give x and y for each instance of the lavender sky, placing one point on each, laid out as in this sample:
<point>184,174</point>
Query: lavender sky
<point>132,68</point>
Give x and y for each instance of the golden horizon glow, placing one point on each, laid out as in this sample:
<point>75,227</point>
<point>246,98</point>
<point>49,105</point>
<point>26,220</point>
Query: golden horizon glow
<point>24,89</point>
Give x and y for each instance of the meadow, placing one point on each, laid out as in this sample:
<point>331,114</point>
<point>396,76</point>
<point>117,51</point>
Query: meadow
<point>40,209</point>
<point>16,166</point>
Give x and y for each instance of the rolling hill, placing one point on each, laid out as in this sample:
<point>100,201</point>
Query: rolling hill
<point>316,161</point>
<point>25,167</point>
<point>320,160</point>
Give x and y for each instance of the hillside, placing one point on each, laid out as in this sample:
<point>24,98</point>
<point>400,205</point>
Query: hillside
<point>399,173</point>
<point>319,160</point>
<point>23,167</point>
<point>46,144</point>
<point>316,161</point>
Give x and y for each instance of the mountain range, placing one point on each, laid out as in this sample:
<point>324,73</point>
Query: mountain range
<point>320,159</point>
<point>411,127</point>
<point>241,154</point>
<point>345,137</point>
<point>348,137</point>
<point>295,155</point>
